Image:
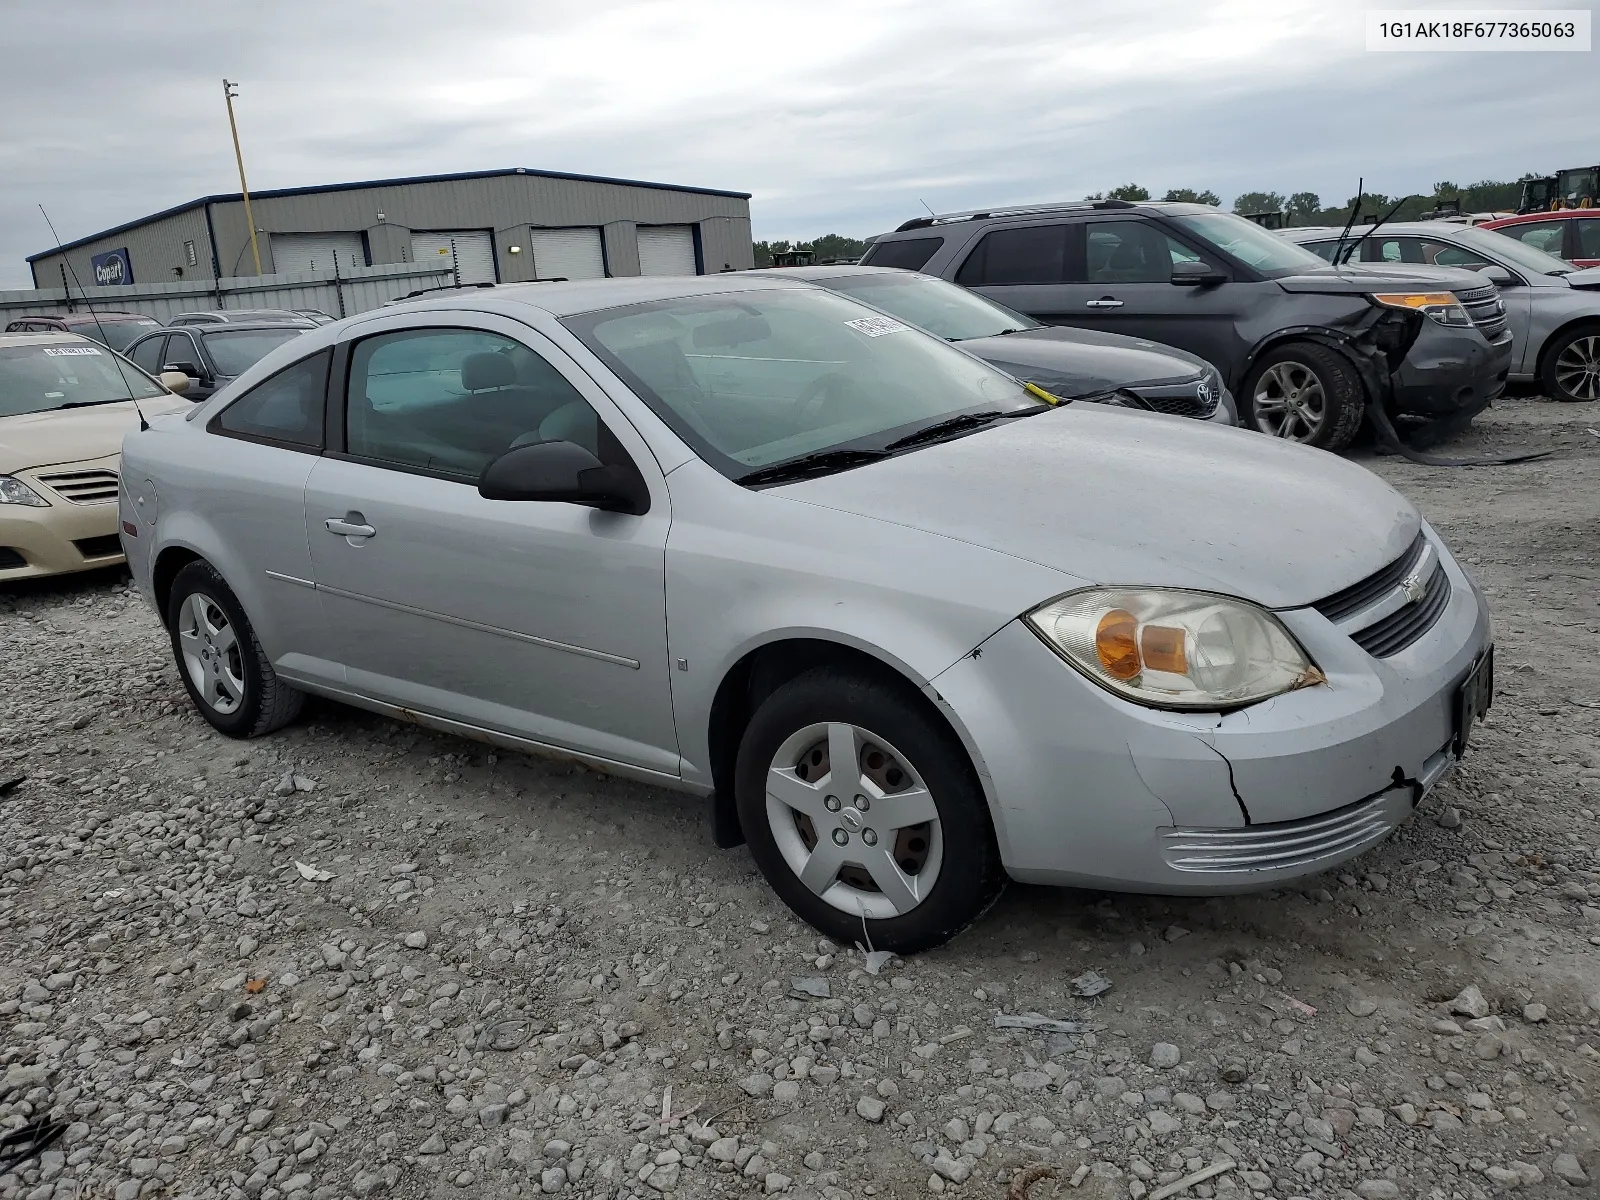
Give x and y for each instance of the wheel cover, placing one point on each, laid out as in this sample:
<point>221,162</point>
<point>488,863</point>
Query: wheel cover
<point>1578,368</point>
<point>1289,402</point>
<point>853,820</point>
<point>211,653</point>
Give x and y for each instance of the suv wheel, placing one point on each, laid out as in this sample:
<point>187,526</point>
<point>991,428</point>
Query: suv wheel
<point>864,813</point>
<point>1571,370</point>
<point>1303,392</point>
<point>223,666</point>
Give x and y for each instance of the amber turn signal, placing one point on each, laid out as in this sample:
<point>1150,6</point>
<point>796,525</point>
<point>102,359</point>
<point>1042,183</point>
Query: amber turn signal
<point>1116,644</point>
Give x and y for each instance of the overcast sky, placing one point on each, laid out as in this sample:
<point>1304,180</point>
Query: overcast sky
<point>838,115</point>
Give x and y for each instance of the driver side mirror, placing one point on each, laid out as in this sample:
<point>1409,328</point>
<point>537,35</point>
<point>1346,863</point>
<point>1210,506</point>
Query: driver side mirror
<point>188,368</point>
<point>1498,275</point>
<point>1197,274</point>
<point>174,381</point>
<point>564,472</point>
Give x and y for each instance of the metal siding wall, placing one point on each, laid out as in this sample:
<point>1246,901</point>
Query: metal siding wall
<point>153,250</point>
<point>364,289</point>
<point>725,242</point>
<point>503,203</point>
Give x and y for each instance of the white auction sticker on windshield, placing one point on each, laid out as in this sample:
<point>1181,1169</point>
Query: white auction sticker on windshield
<point>60,351</point>
<point>876,326</point>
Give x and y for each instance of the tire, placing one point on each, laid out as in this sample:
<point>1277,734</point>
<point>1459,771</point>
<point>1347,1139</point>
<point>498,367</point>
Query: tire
<point>1306,393</point>
<point>1571,368</point>
<point>222,665</point>
<point>901,887</point>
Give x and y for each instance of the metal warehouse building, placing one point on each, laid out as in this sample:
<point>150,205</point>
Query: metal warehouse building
<point>505,226</point>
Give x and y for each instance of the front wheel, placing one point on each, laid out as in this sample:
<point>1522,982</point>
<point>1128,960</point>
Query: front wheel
<point>864,813</point>
<point>224,668</point>
<point>1306,393</point>
<point>1572,366</point>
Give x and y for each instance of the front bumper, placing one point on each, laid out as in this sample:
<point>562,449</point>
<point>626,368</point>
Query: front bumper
<point>59,539</point>
<point>1451,370</point>
<point>1089,790</point>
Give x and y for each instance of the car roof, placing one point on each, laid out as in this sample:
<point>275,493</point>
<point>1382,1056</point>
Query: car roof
<point>54,337</point>
<point>840,270</point>
<point>89,318</point>
<point>230,327</point>
<point>1558,214</point>
<point>1020,212</point>
<point>593,295</point>
<point>1406,228</point>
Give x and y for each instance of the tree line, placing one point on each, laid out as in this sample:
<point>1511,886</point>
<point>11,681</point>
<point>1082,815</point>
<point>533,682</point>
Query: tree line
<point>1301,208</point>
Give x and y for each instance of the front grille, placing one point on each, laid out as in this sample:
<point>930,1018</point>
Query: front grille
<point>99,547</point>
<point>1487,310</point>
<point>1179,400</point>
<point>10,559</point>
<point>83,487</point>
<point>1373,588</point>
<point>1406,624</point>
<point>1282,845</point>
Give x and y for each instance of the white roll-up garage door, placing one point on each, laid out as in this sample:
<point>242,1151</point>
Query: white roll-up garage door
<point>473,251</point>
<point>316,251</point>
<point>666,250</point>
<point>567,254</point>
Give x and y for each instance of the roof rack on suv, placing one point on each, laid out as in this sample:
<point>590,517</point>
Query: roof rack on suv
<point>1020,210</point>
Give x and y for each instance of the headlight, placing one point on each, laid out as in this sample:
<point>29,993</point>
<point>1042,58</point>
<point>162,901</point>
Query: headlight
<point>1174,649</point>
<point>1443,307</point>
<point>14,491</point>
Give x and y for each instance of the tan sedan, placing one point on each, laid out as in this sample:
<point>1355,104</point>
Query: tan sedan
<point>65,404</point>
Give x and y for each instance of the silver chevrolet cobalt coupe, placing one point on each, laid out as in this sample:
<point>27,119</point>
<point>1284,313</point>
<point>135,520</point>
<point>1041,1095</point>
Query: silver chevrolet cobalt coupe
<point>912,625</point>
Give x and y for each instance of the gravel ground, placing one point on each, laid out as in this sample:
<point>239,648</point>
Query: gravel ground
<point>500,976</point>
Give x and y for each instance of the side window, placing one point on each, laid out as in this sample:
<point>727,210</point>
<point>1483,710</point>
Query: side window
<point>1392,250</point>
<point>912,254</point>
<point>1443,254</point>
<point>1132,252</point>
<point>453,400</point>
<point>1589,237</point>
<point>287,408</point>
<point>1322,249</point>
<point>181,349</point>
<point>1029,254</point>
<point>1541,235</point>
<point>148,354</point>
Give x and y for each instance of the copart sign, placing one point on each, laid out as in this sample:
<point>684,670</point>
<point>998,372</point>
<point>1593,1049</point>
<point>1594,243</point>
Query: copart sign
<point>112,267</point>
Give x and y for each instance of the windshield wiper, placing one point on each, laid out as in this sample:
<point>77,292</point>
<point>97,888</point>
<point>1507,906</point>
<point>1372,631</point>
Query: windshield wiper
<point>958,424</point>
<point>823,462</point>
<point>91,403</point>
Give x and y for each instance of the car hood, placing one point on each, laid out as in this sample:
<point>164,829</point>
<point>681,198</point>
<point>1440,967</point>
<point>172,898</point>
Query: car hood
<point>73,434</point>
<point>1358,278</point>
<point>1082,362</point>
<point>1111,496</point>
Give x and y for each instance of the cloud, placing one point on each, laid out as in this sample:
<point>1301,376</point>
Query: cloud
<point>839,115</point>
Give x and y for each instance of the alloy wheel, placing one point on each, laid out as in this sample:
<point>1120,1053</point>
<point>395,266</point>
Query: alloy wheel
<point>211,653</point>
<point>854,821</point>
<point>1578,368</point>
<point>1289,402</point>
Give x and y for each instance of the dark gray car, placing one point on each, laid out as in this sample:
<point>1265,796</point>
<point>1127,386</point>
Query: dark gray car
<point>1079,364</point>
<point>1304,346</point>
<point>210,355</point>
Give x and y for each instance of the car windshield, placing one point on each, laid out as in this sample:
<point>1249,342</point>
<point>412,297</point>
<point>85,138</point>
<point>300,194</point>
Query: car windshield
<point>236,350</point>
<point>942,308</point>
<point>755,378</point>
<point>1250,243</point>
<point>65,375</point>
<point>116,334</point>
<point>1498,243</point>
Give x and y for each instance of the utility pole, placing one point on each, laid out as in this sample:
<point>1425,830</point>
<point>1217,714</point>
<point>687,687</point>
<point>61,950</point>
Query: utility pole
<point>255,248</point>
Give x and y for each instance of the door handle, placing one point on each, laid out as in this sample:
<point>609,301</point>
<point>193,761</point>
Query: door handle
<point>348,528</point>
<point>1104,302</point>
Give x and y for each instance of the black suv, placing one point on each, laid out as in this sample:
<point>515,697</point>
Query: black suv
<point>1303,345</point>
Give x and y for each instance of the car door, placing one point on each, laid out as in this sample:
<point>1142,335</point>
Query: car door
<point>182,354</point>
<point>147,352</point>
<point>546,621</point>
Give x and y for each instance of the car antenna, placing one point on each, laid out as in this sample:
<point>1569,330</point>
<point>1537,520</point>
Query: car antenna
<point>1374,228</point>
<point>1355,210</point>
<point>116,359</point>
<point>924,204</point>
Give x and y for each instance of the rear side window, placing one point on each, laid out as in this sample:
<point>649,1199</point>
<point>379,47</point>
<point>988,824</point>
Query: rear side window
<point>148,354</point>
<point>1589,238</point>
<point>286,409</point>
<point>912,254</point>
<point>1030,254</point>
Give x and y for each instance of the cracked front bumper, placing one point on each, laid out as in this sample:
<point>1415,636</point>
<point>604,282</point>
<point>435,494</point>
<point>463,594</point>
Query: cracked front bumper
<point>1090,790</point>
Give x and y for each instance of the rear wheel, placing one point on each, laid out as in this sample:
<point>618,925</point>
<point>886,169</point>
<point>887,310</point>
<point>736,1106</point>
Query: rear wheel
<point>1306,393</point>
<point>224,668</point>
<point>1571,369</point>
<point>864,813</point>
